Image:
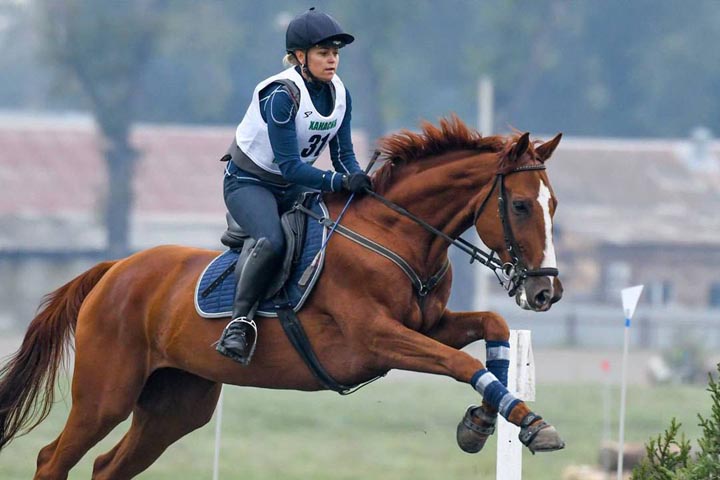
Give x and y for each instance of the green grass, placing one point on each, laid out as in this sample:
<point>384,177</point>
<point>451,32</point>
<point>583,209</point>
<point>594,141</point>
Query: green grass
<point>402,429</point>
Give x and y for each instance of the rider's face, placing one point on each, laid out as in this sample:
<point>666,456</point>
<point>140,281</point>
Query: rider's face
<point>322,61</point>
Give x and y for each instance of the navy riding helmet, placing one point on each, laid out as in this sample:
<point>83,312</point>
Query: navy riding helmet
<point>315,28</point>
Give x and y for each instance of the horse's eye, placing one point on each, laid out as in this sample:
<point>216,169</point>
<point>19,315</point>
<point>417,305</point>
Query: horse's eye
<point>521,207</point>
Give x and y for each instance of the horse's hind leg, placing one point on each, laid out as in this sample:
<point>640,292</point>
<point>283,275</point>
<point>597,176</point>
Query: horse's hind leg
<point>172,404</point>
<point>101,399</point>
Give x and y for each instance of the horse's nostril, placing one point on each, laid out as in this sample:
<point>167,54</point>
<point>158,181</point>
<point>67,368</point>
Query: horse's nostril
<point>542,298</point>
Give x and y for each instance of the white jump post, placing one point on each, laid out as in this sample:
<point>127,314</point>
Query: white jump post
<point>521,383</point>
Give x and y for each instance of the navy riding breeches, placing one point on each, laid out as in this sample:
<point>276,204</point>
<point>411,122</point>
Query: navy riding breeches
<point>257,205</point>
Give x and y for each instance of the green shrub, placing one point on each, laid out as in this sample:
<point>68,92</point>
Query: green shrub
<point>669,458</point>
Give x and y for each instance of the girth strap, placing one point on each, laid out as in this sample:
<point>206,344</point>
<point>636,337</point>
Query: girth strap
<point>297,336</point>
<point>299,340</point>
<point>296,333</point>
<point>421,287</point>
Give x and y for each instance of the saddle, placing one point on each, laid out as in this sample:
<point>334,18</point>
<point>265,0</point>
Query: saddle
<point>294,280</point>
<point>305,233</point>
<point>293,226</point>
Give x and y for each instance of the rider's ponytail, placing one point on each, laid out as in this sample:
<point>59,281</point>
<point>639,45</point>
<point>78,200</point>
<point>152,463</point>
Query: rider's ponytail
<point>290,60</point>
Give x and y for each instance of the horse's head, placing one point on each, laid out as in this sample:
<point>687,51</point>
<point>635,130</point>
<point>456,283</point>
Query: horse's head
<point>514,218</point>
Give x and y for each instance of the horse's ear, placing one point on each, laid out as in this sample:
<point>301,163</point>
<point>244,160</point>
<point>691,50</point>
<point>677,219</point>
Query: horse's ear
<point>520,147</point>
<point>546,150</point>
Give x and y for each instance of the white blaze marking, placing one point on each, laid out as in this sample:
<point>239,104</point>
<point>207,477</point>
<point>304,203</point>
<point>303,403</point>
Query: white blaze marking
<point>549,260</point>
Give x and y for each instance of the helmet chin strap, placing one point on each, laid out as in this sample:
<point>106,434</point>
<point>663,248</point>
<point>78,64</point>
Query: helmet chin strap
<point>304,68</point>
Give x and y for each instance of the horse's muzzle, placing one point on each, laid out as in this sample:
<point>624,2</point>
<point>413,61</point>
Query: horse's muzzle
<point>539,293</point>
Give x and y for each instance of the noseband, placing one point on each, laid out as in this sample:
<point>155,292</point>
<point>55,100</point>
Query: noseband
<point>516,271</point>
<point>511,275</point>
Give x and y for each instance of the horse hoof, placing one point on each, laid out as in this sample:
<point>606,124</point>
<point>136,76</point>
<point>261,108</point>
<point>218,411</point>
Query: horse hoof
<point>474,429</point>
<point>543,438</point>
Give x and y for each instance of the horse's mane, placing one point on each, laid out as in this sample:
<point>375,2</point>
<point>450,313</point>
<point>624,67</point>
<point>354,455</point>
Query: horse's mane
<point>407,147</point>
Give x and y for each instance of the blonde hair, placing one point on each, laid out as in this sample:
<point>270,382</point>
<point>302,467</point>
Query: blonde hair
<point>289,60</point>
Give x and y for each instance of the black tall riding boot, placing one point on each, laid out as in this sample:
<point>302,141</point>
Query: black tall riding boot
<point>240,335</point>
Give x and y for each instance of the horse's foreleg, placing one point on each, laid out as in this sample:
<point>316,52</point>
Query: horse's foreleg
<point>395,346</point>
<point>173,403</point>
<point>459,329</point>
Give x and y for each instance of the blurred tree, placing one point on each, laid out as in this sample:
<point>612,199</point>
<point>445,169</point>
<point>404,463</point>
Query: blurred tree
<point>621,68</point>
<point>21,86</point>
<point>362,62</point>
<point>106,46</point>
<point>190,77</point>
<point>675,68</point>
<point>587,68</point>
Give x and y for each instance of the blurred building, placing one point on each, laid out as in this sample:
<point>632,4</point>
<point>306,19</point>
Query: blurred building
<point>640,211</point>
<point>631,211</point>
<point>52,194</point>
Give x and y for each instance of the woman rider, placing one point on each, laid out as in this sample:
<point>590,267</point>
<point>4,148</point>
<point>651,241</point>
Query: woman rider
<point>292,117</point>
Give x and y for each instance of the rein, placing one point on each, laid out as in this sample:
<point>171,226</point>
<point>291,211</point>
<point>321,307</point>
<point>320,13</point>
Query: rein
<point>422,287</point>
<point>514,272</point>
<point>511,275</point>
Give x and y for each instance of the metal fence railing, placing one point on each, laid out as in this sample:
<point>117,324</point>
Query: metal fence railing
<point>601,325</point>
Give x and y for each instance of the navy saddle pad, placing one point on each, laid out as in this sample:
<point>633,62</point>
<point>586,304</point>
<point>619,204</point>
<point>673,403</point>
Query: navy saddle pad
<point>219,302</point>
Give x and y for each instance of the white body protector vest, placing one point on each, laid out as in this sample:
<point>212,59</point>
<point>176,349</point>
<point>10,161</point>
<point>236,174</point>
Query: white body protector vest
<point>314,131</point>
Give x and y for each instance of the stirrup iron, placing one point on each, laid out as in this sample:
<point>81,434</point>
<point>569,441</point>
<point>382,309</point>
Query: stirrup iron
<point>244,360</point>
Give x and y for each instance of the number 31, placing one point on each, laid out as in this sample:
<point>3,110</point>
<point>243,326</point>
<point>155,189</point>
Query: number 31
<point>317,143</point>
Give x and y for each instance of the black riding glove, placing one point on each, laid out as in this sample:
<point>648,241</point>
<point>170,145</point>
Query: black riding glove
<point>356,182</point>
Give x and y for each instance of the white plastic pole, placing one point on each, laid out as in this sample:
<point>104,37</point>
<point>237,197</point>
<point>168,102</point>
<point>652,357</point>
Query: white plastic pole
<point>630,297</point>
<point>606,411</point>
<point>623,395</point>
<point>481,302</point>
<point>218,433</point>
<point>521,383</point>
<point>486,97</point>
<point>485,121</point>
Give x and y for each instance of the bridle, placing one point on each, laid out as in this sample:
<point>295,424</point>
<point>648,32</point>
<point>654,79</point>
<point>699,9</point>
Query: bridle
<point>511,275</point>
<point>516,271</point>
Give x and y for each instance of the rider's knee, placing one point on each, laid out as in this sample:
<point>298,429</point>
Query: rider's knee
<point>273,246</point>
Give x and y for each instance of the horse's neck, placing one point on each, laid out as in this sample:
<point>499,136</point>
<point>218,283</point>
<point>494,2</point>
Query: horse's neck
<point>444,191</point>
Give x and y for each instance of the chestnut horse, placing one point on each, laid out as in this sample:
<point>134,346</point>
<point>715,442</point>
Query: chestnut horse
<point>141,348</point>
